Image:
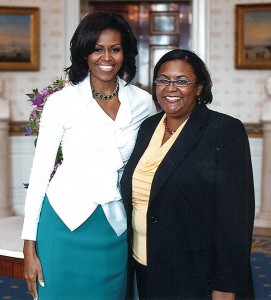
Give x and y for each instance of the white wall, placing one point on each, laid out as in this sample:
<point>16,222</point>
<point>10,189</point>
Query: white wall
<point>21,157</point>
<point>236,92</point>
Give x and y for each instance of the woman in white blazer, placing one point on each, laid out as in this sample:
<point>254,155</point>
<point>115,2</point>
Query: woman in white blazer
<point>75,224</point>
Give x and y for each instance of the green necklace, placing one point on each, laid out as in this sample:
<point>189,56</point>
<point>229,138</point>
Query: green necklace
<point>106,97</point>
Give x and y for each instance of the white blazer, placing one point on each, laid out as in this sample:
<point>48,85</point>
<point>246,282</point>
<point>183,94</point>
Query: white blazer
<point>95,149</point>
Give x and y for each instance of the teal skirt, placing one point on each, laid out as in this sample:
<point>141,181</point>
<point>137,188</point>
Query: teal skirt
<point>87,263</point>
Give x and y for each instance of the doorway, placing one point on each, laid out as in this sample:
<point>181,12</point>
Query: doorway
<point>158,27</point>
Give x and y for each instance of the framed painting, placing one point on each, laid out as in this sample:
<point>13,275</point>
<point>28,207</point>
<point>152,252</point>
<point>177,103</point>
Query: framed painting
<point>19,38</point>
<point>253,36</point>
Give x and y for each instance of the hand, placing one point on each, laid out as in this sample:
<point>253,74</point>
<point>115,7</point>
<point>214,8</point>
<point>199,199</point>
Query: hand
<point>216,295</point>
<point>32,268</point>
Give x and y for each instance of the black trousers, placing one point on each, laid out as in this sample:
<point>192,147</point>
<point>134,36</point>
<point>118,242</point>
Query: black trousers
<point>141,278</point>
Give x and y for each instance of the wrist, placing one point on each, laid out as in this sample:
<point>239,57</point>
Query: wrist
<point>29,247</point>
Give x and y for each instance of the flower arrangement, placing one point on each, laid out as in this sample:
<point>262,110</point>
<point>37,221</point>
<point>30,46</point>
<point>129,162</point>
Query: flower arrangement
<point>38,99</point>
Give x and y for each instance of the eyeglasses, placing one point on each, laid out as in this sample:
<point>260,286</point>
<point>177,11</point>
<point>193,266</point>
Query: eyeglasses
<point>179,82</point>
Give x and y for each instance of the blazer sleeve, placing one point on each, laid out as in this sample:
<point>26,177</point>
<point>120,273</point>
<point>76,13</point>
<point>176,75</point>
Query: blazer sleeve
<point>234,209</point>
<point>49,138</point>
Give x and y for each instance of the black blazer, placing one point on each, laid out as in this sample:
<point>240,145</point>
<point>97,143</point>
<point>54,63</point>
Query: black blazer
<point>201,209</point>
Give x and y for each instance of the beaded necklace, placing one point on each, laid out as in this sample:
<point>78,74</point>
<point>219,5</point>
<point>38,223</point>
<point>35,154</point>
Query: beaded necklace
<point>106,97</point>
<point>167,129</point>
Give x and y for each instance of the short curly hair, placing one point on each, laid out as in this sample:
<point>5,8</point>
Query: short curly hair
<point>198,66</point>
<point>85,38</point>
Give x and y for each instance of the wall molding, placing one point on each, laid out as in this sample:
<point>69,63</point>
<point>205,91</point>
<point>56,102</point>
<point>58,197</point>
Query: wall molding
<point>71,8</point>
<point>253,129</point>
<point>201,29</point>
<point>17,128</point>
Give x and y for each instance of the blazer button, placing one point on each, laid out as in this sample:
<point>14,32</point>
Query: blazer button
<point>153,219</point>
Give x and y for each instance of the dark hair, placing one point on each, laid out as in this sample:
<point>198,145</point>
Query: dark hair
<point>199,68</point>
<point>85,38</point>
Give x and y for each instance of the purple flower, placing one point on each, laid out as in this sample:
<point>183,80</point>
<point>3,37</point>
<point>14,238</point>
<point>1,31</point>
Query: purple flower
<point>33,114</point>
<point>46,92</point>
<point>26,185</point>
<point>29,131</point>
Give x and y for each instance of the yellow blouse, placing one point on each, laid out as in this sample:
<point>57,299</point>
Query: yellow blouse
<point>141,186</point>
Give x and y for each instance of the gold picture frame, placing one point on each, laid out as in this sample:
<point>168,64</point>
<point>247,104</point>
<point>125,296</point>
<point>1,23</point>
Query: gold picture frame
<point>253,36</point>
<point>164,23</point>
<point>19,38</point>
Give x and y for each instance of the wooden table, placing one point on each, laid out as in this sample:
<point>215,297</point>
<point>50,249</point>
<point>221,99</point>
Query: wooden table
<point>11,255</point>
<point>11,266</point>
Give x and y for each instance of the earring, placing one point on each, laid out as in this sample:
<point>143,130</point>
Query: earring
<point>198,99</point>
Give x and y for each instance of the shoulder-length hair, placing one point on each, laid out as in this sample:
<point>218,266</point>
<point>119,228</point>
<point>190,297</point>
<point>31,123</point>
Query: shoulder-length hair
<point>85,38</point>
<point>202,75</point>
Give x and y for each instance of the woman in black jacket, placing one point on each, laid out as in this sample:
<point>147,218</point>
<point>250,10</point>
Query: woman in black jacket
<point>188,192</point>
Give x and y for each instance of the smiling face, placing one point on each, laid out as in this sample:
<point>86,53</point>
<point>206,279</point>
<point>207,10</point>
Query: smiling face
<point>177,102</point>
<point>106,59</point>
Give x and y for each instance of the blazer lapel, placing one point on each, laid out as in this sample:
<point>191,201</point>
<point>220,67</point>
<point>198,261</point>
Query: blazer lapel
<point>188,137</point>
<point>144,137</point>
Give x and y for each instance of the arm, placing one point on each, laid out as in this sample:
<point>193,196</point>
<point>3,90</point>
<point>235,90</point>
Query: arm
<point>234,209</point>
<point>50,135</point>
